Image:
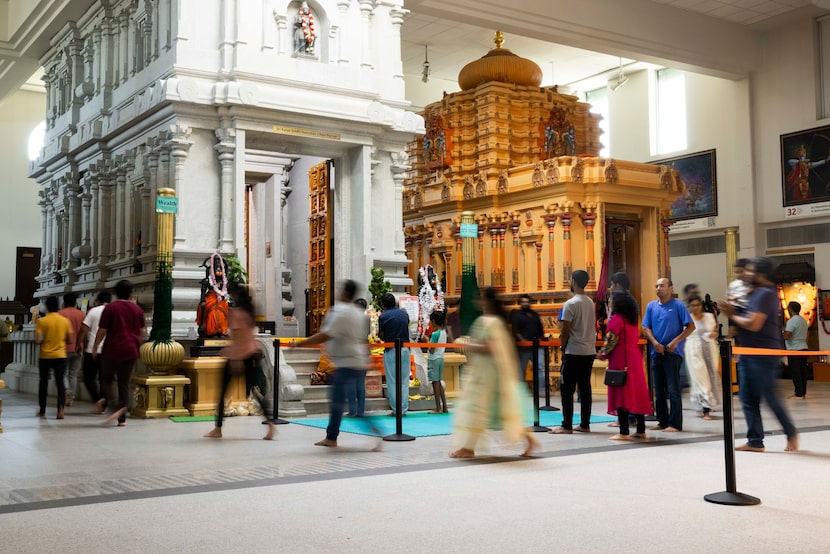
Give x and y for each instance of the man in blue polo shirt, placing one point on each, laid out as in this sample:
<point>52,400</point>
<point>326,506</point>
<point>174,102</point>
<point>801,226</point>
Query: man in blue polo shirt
<point>666,325</point>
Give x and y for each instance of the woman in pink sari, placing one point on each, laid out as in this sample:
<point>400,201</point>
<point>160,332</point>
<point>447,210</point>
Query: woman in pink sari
<point>622,352</point>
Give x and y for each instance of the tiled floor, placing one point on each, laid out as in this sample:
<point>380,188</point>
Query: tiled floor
<point>77,464</point>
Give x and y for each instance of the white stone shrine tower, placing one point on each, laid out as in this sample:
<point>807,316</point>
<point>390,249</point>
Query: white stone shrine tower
<point>235,104</point>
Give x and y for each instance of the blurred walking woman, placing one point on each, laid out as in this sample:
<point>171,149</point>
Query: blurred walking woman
<point>622,351</point>
<point>242,354</point>
<point>701,353</point>
<point>491,397</point>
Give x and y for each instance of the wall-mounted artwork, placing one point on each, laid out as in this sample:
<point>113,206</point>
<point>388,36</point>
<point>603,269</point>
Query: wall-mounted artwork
<point>804,166</point>
<point>698,172</point>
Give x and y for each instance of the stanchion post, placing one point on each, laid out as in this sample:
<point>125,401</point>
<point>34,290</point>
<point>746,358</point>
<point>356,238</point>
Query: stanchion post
<point>535,384</point>
<point>399,435</point>
<point>276,403</point>
<point>547,407</point>
<point>651,392</point>
<point>730,496</point>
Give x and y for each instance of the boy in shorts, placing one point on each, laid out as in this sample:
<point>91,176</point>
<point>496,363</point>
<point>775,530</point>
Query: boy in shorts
<point>435,362</point>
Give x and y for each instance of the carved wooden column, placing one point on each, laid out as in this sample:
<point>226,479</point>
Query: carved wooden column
<point>482,228</point>
<point>666,224</point>
<point>456,232</point>
<point>567,266</point>
<point>550,222</point>
<point>448,272</point>
<point>538,246</point>
<point>494,255</point>
<point>588,220</point>
<point>514,229</point>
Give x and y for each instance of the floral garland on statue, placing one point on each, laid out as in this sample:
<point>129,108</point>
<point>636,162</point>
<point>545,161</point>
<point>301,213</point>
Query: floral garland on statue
<point>307,23</point>
<point>429,299</point>
<point>221,289</point>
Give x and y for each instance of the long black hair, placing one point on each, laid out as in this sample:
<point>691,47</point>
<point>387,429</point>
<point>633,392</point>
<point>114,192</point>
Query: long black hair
<point>488,294</point>
<point>242,299</point>
<point>624,304</point>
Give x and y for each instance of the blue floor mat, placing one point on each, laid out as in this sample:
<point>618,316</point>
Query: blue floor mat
<point>422,424</point>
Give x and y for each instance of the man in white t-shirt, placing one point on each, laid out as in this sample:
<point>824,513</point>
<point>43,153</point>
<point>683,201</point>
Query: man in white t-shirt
<point>578,336</point>
<point>85,342</point>
<point>345,330</point>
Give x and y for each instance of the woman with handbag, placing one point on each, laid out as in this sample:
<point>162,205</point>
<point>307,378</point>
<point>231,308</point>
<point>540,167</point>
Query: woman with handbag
<point>623,353</point>
<point>242,355</point>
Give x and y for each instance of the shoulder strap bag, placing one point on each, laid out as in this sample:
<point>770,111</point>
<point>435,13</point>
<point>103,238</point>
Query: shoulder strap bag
<point>618,377</point>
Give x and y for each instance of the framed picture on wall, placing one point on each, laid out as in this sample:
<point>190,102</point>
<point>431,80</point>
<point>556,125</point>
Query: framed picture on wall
<point>698,172</point>
<point>805,166</point>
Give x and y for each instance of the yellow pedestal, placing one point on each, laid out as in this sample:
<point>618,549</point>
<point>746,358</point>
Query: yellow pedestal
<point>452,372</point>
<point>159,395</point>
<point>205,382</point>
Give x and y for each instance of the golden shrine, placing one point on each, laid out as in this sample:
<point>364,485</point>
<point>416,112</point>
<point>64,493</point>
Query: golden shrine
<point>525,160</point>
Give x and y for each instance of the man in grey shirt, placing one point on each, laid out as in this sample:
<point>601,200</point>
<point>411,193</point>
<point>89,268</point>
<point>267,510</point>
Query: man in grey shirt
<point>346,330</point>
<point>578,336</point>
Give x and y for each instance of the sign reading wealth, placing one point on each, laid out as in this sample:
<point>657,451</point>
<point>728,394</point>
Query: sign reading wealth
<point>167,205</point>
<point>469,230</point>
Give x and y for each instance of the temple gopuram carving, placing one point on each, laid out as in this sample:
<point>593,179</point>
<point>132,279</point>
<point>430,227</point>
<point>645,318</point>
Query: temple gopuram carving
<point>525,159</point>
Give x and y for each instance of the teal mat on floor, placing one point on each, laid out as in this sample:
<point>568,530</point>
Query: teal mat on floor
<point>423,424</point>
<point>186,419</point>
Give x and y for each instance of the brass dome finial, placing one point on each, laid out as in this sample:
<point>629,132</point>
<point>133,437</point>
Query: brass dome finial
<point>499,40</point>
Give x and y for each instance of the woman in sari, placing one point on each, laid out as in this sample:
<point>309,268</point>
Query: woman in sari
<point>701,353</point>
<point>622,352</point>
<point>492,396</point>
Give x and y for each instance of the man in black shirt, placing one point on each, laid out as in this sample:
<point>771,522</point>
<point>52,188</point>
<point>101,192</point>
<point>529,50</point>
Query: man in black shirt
<point>527,325</point>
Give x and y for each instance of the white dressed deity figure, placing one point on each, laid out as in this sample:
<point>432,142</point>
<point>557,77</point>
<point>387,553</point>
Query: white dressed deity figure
<point>305,33</point>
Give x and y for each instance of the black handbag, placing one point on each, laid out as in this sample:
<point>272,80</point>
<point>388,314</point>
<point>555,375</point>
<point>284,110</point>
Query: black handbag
<point>617,377</point>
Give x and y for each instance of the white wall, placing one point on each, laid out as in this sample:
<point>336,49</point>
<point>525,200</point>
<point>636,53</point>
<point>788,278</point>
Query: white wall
<point>19,211</point>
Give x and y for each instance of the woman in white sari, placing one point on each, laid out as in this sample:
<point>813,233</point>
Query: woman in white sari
<point>491,391</point>
<point>701,353</point>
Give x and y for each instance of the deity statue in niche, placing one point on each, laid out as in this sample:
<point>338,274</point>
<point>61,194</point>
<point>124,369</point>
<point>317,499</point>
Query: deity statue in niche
<point>557,135</point>
<point>305,32</point>
<point>437,143</point>
<point>212,312</point>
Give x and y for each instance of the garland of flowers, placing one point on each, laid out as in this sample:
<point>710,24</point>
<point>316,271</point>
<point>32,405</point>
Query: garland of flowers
<point>429,300</point>
<point>220,289</point>
<point>307,24</point>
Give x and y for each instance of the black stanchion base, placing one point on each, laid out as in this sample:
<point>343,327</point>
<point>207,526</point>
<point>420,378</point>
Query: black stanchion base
<point>277,421</point>
<point>732,499</point>
<point>651,418</point>
<point>549,409</point>
<point>399,438</point>
<point>540,429</point>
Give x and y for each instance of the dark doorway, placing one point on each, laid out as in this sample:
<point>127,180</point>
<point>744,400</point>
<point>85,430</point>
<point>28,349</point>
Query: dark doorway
<point>27,269</point>
<point>624,251</point>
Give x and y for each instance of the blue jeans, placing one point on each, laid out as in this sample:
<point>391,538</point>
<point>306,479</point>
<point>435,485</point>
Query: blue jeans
<point>356,395</point>
<point>665,370</point>
<point>757,376</point>
<point>342,379</point>
<point>391,383</point>
<point>526,356</point>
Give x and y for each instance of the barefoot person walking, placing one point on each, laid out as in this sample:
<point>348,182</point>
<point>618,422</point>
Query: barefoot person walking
<point>491,397</point>
<point>241,355</point>
<point>760,327</point>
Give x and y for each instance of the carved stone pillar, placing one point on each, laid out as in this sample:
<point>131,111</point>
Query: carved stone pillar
<point>179,148</point>
<point>44,216</point>
<point>152,186</point>
<point>400,166</point>
<point>106,219</point>
<point>366,8</point>
<point>121,202</point>
<point>226,148</point>
<point>74,223</point>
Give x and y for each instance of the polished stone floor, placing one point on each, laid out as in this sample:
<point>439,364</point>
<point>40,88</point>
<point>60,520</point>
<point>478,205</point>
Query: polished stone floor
<point>156,485</point>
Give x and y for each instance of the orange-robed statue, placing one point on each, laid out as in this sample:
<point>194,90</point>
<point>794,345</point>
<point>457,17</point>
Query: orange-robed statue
<point>212,313</point>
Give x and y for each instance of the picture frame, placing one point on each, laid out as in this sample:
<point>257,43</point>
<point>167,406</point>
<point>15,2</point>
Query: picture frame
<point>823,304</point>
<point>698,172</point>
<point>805,166</point>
